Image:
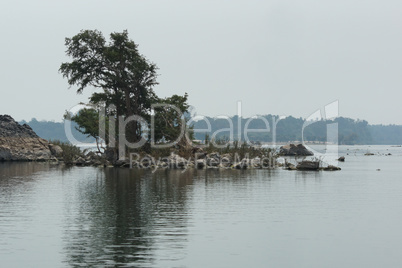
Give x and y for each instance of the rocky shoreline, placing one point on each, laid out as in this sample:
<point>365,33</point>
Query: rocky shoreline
<point>20,143</point>
<point>201,161</point>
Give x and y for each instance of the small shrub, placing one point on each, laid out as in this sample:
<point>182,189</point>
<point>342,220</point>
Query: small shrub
<point>70,151</point>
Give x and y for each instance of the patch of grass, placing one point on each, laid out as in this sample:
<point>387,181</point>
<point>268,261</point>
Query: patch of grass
<point>242,150</point>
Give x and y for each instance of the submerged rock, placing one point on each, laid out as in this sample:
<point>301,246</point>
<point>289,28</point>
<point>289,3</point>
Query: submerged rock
<point>341,159</point>
<point>308,165</point>
<point>331,168</point>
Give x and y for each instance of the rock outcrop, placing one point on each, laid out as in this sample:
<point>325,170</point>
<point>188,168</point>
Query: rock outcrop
<point>294,150</point>
<point>308,165</point>
<point>20,143</point>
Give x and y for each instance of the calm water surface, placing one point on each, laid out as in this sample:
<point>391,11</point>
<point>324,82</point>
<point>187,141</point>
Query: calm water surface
<point>84,216</point>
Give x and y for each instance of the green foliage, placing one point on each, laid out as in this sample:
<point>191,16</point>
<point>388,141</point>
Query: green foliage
<point>125,76</point>
<point>170,119</point>
<point>70,152</point>
<point>391,134</point>
<point>236,148</point>
<point>88,121</point>
<point>206,139</point>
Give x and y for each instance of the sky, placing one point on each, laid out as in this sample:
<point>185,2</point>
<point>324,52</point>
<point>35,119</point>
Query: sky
<point>282,57</point>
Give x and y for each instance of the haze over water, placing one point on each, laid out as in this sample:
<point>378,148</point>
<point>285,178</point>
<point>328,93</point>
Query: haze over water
<point>83,216</point>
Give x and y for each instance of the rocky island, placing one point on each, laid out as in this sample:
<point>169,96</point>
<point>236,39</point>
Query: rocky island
<point>21,143</point>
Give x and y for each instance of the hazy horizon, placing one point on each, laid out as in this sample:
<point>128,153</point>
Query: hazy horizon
<point>214,117</point>
<point>286,58</point>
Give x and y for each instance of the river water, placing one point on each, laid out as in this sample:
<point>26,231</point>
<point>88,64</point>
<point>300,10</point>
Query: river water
<point>106,217</point>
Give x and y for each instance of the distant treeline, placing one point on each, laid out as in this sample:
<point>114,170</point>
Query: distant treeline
<point>55,130</point>
<point>288,129</point>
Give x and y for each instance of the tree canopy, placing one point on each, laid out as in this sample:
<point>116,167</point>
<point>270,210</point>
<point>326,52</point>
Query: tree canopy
<point>125,76</point>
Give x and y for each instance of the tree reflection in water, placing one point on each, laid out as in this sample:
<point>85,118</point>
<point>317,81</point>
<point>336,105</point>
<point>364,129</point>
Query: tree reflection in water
<point>123,216</point>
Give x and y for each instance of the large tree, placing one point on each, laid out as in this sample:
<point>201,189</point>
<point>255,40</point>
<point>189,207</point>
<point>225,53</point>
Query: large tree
<point>126,79</point>
<point>125,76</point>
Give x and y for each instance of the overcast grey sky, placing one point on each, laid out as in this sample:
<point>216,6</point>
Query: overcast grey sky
<point>284,57</point>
